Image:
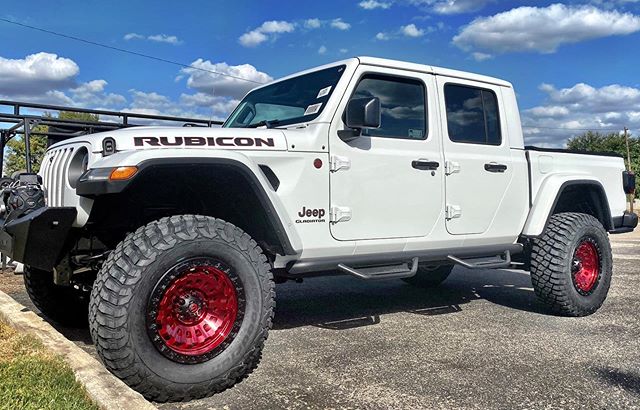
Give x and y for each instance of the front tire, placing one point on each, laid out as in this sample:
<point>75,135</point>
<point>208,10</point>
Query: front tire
<point>62,304</point>
<point>571,264</point>
<point>182,307</point>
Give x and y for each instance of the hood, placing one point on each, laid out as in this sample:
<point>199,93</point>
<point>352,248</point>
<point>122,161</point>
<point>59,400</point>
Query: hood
<point>185,137</point>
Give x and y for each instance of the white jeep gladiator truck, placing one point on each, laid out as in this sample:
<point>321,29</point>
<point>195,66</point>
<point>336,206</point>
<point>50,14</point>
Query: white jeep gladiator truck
<point>169,241</point>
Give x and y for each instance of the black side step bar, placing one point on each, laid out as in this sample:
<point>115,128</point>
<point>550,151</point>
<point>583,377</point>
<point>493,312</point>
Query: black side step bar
<point>383,272</point>
<point>491,262</point>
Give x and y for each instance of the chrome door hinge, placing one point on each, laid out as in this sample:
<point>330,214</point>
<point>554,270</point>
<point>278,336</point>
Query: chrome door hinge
<point>339,214</point>
<point>453,211</point>
<point>337,162</point>
<point>451,167</point>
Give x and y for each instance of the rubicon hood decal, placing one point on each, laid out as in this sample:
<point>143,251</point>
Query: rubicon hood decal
<point>138,138</point>
<point>204,141</point>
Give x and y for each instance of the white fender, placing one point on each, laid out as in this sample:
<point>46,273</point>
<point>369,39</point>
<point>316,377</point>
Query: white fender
<point>546,197</point>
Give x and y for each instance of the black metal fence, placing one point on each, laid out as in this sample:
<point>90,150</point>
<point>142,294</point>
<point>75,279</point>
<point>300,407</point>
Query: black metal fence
<point>20,118</point>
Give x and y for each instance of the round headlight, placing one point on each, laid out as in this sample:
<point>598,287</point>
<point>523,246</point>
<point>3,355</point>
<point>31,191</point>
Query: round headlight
<point>79,164</point>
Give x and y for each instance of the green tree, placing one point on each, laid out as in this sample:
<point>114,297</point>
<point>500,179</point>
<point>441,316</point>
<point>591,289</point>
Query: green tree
<point>614,142</point>
<point>15,149</point>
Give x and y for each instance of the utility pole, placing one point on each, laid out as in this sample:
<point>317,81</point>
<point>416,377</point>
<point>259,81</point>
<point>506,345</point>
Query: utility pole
<point>626,139</point>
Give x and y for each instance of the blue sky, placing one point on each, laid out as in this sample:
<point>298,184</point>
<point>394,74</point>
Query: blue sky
<point>574,64</point>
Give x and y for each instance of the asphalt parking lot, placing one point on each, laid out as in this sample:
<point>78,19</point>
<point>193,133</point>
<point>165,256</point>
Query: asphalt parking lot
<point>480,341</point>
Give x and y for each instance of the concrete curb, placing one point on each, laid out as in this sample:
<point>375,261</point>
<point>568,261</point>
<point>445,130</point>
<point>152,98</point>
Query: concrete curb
<point>106,390</point>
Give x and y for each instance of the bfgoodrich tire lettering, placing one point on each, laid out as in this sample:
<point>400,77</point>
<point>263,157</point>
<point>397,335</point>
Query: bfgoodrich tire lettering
<point>120,295</point>
<point>554,262</point>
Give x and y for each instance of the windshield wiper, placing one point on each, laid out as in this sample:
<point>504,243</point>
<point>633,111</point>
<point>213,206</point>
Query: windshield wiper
<point>264,123</point>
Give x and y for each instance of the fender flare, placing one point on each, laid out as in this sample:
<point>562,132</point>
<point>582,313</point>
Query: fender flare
<point>553,187</point>
<point>95,188</point>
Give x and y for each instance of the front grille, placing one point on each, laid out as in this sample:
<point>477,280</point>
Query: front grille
<point>54,170</point>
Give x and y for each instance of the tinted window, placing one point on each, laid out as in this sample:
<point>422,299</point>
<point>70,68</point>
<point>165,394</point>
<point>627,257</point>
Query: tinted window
<point>402,106</point>
<point>472,115</point>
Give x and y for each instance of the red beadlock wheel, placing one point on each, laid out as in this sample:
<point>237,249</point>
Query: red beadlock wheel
<point>585,268</point>
<point>195,310</point>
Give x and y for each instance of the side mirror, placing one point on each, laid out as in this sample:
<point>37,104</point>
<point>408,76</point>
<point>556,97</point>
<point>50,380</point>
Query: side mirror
<point>363,113</point>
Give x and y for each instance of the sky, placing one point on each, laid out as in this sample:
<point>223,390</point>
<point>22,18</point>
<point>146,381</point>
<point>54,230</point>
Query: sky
<point>575,65</point>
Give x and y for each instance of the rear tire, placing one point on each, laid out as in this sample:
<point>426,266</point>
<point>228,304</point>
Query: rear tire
<point>430,276</point>
<point>159,291</point>
<point>571,264</point>
<point>62,304</point>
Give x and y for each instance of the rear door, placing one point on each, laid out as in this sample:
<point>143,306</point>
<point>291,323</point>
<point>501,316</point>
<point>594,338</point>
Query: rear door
<point>387,183</point>
<point>478,164</point>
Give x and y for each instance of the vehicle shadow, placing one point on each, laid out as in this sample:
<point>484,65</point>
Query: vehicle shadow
<point>343,302</point>
<point>618,378</point>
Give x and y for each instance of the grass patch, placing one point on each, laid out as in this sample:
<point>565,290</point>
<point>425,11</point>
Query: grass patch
<point>31,377</point>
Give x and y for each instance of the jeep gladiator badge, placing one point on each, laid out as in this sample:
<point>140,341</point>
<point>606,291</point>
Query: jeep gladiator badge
<point>316,214</point>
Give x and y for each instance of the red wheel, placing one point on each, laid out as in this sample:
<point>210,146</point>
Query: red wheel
<point>195,310</point>
<point>572,264</point>
<point>585,267</point>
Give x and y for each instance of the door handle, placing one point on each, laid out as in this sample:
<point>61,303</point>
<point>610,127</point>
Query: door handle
<point>425,164</point>
<point>495,167</point>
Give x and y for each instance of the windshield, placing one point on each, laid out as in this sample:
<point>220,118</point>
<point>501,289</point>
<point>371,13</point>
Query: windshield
<point>297,99</point>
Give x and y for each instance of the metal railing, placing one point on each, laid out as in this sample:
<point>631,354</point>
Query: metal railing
<point>20,118</point>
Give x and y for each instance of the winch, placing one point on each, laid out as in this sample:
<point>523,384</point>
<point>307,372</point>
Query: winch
<point>22,197</point>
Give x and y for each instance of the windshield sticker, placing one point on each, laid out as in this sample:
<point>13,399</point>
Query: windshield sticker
<point>313,109</point>
<point>323,92</point>
<point>413,133</point>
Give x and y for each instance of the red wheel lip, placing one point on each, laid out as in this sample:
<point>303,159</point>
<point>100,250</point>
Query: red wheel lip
<point>586,266</point>
<point>194,334</point>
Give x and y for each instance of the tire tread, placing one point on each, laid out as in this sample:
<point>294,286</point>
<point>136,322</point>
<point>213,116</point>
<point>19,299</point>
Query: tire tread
<point>114,288</point>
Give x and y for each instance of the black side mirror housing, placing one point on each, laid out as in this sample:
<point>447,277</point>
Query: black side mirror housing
<point>363,113</point>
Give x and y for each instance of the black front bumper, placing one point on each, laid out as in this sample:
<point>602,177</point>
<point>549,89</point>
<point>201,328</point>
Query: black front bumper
<point>38,239</point>
<point>625,223</point>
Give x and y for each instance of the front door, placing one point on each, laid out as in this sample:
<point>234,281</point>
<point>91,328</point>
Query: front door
<point>479,167</point>
<point>387,183</point>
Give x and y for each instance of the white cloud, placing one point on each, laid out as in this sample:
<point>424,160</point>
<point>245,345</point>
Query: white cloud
<point>158,38</point>
<point>48,78</point>
<point>133,36</point>
<point>478,56</point>
<point>567,111</point>
<point>344,51</point>
<point>220,105</point>
<point>36,74</point>
<point>312,23</point>
<point>93,94</point>
<point>164,38</point>
<point>215,84</point>
<point>268,30</point>
<point>276,27</point>
<point>253,38</point>
<point>452,6</point>
<point>322,50</point>
<point>374,4</point>
<point>410,30</point>
<point>189,105</point>
<point>543,29</point>
<point>339,24</point>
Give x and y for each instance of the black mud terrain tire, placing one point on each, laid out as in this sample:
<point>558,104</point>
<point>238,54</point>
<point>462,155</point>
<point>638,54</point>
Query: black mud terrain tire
<point>571,264</point>
<point>123,312</point>
<point>62,304</point>
<point>429,276</point>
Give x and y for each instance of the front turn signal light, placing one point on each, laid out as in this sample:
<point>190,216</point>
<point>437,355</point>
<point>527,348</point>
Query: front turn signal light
<point>122,173</point>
